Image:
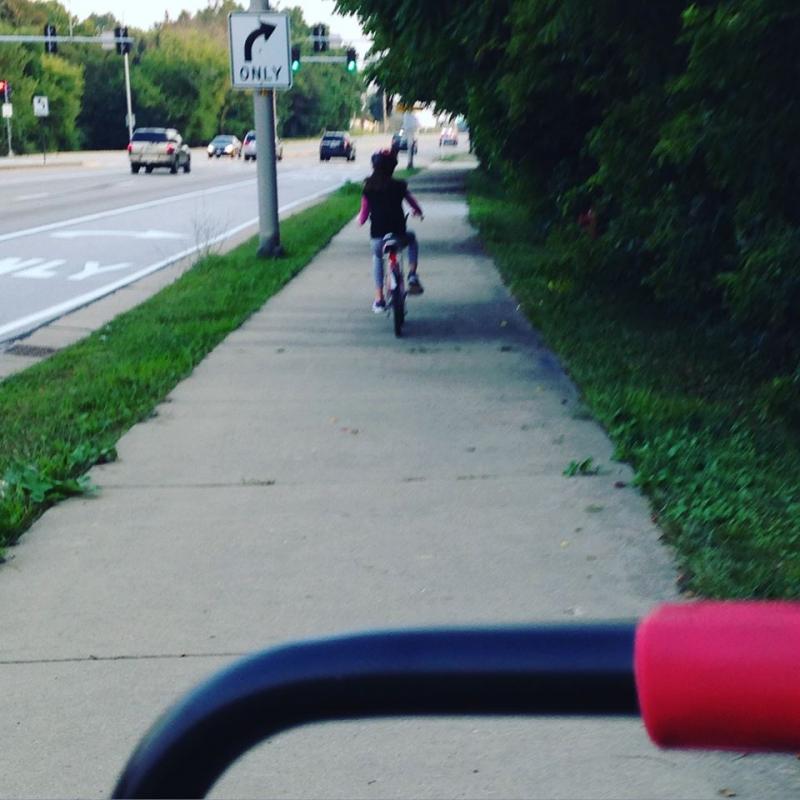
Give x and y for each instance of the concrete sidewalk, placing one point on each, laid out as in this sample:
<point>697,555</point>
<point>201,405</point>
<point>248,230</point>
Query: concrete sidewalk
<point>313,476</point>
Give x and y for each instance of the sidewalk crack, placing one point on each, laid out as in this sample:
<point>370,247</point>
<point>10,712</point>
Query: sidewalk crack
<point>5,662</point>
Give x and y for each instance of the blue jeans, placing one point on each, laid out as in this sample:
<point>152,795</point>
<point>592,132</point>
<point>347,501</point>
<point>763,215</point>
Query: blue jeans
<point>409,240</point>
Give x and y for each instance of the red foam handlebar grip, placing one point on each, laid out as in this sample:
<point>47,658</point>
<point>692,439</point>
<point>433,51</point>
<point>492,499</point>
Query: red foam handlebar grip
<point>721,674</point>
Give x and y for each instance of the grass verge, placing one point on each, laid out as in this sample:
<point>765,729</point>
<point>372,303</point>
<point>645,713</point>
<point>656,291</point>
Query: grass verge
<point>696,418</point>
<point>63,415</point>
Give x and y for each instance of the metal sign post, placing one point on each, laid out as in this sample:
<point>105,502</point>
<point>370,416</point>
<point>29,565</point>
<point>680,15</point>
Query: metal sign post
<point>261,60</point>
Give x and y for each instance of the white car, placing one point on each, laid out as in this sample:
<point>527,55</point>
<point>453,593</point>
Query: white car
<point>158,147</point>
<point>448,136</point>
<point>249,147</point>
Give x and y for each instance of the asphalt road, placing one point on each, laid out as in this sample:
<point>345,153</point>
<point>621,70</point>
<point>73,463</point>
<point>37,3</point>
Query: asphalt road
<point>80,226</point>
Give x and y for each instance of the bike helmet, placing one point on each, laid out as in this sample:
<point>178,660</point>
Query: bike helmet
<point>384,161</point>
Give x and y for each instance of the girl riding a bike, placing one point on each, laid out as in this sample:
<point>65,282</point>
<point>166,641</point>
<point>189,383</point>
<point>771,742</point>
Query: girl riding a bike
<point>382,203</point>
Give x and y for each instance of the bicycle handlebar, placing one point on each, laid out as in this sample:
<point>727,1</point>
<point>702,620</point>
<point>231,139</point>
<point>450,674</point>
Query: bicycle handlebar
<point>694,670</point>
<point>721,674</point>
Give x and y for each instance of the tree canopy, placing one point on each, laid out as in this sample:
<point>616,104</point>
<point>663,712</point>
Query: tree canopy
<point>179,77</point>
<point>675,122</point>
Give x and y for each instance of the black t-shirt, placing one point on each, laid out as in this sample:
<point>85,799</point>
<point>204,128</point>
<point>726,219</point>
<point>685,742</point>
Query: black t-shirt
<point>386,209</point>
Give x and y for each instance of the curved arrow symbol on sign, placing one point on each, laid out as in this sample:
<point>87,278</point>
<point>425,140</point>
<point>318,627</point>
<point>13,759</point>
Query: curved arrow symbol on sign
<point>266,30</point>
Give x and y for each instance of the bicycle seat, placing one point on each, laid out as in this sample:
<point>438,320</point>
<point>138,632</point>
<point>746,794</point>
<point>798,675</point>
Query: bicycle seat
<point>391,243</point>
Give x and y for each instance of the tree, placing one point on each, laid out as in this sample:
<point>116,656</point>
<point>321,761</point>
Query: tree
<point>181,83</point>
<point>104,106</point>
<point>62,84</point>
<point>323,95</point>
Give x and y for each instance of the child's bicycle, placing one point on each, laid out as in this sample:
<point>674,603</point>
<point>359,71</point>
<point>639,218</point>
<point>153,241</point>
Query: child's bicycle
<point>718,675</point>
<point>394,281</point>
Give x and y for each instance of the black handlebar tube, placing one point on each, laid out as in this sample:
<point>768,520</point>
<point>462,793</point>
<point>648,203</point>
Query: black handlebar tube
<point>539,670</point>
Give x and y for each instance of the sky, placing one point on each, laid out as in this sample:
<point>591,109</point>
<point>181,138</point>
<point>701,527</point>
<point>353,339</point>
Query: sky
<point>145,13</point>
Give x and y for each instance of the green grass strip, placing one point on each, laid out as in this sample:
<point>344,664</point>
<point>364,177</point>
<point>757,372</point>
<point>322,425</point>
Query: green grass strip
<point>61,416</point>
<point>701,421</point>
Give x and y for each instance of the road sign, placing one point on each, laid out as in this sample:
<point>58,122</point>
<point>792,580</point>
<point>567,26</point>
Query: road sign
<point>260,50</point>
<point>109,42</point>
<point>8,110</point>
<point>41,106</point>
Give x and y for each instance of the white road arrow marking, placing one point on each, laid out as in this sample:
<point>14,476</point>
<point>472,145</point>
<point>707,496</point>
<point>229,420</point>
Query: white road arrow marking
<point>40,271</point>
<point>151,234</point>
<point>14,264</point>
<point>92,268</point>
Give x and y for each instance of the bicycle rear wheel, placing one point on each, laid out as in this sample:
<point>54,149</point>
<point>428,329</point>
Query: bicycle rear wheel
<point>398,309</point>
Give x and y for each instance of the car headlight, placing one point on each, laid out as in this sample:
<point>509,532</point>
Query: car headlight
<point>210,149</point>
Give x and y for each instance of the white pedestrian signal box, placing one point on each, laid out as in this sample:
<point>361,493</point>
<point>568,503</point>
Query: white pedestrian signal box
<point>260,50</point>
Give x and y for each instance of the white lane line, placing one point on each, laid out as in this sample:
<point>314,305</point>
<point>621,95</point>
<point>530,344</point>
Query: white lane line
<point>33,196</point>
<point>150,234</point>
<point>124,210</point>
<point>53,312</point>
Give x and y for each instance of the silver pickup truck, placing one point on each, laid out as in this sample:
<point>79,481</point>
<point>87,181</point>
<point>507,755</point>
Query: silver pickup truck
<point>159,147</point>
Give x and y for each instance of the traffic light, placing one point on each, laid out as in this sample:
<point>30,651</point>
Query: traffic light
<point>50,46</point>
<point>295,58</point>
<point>122,47</point>
<point>4,90</point>
<point>352,58</point>
<point>319,33</point>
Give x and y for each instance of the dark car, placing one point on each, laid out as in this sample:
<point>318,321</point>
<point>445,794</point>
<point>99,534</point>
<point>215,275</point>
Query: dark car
<point>225,144</point>
<point>336,144</point>
<point>400,141</point>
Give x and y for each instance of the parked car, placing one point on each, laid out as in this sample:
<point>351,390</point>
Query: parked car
<point>249,147</point>
<point>336,144</point>
<point>158,147</point>
<point>448,135</point>
<point>225,144</point>
<point>400,141</point>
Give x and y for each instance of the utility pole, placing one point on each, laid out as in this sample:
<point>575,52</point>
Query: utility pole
<point>264,113</point>
<point>123,48</point>
<point>128,95</point>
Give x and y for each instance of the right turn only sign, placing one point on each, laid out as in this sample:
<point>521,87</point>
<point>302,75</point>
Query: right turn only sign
<point>260,50</point>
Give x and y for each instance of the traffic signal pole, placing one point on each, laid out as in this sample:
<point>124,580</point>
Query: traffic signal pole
<point>267,172</point>
<point>128,95</point>
<point>8,119</point>
<point>51,41</point>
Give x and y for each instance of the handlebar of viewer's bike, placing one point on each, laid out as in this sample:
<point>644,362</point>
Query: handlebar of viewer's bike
<point>721,675</point>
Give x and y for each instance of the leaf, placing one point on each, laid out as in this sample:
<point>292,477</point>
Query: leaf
<point>585,467</point>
